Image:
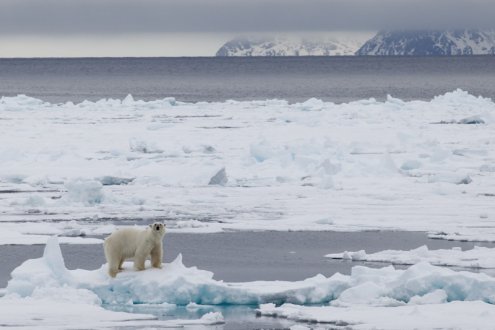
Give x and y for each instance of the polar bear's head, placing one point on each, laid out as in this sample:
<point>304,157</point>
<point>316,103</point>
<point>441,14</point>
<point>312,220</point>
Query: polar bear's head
<point>158,228</point>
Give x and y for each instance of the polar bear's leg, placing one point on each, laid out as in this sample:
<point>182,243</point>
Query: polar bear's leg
<point>156,256</point>
<point>140,258</point>
<point>121,263</point>
<point>113,269</point>
<point>112,259</point>
<point>113,266</point>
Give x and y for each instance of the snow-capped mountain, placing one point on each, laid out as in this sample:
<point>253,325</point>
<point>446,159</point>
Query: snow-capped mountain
<point>440,43</point>
<point>283,46</point>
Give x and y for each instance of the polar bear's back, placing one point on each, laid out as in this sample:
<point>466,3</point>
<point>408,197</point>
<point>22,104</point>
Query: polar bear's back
<point>125,240</point>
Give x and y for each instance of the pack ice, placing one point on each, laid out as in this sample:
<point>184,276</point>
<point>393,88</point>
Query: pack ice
<point>204,167</point>
<point>388,290</point>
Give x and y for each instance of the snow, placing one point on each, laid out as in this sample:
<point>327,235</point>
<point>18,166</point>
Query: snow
<point>210,167</point>
<point>422,295</point>
<point>479,257</point>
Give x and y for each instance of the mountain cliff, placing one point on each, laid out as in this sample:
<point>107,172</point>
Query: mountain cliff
<point>394,43</point>
<point>430,43</point>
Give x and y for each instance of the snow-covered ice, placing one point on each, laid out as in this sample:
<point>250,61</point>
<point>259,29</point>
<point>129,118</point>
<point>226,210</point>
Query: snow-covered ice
<point>43,293</point>
<point>174,284</point>
<point>365,299</point>
<point>452,315</point>
<point>235,166</point>
<point>53,312</point>
<point>479,257</point>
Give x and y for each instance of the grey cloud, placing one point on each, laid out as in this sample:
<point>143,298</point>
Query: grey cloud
<point>135,16</point>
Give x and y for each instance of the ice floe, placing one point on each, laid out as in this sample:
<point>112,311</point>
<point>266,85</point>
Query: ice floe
<point>453,315</point>
<point>479,257</point>
<point>43,293</point>
<point>52,311</point>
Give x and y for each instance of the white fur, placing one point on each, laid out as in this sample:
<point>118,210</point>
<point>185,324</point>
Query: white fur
<point>134,243</point>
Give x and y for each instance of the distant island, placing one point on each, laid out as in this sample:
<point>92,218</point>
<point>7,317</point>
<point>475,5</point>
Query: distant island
<point>284,46</point>
<point>384,43</point>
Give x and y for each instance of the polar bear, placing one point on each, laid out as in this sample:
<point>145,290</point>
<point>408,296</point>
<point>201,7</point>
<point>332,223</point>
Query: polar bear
<point>134,243</point>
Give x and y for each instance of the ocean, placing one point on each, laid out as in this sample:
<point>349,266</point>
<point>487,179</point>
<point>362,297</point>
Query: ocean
<point>335,79</point>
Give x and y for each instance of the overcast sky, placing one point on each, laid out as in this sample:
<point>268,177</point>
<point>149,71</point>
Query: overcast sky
<point>199,27</point>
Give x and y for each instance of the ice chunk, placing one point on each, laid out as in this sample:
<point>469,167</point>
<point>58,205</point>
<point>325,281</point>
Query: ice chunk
<point>220,178</point>
<point>325,221</point>
<point>364,293</point>
<point>410,165</point>
<point>355,256</point>
<point>109,180</point>
<point>207,149</point>
<point>435,297</point>
<point>88,192</point>
<point>312,104</point>
<point>144,147</point>
<point>212,318</point>
<point>46,272</point>
<point>465,180</point>
<point>472,120</point>
<point>35,201</point>
<point>450,178</point>
<point>128,100</point>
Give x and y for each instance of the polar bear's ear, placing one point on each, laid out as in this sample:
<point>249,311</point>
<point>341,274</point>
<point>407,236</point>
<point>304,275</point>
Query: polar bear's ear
<point>150,225</point>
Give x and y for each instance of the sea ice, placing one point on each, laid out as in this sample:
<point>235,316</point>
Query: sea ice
<point>45,294</point>
<point>452,315</point>
<point>479,257</point>
<point>365,164</point>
